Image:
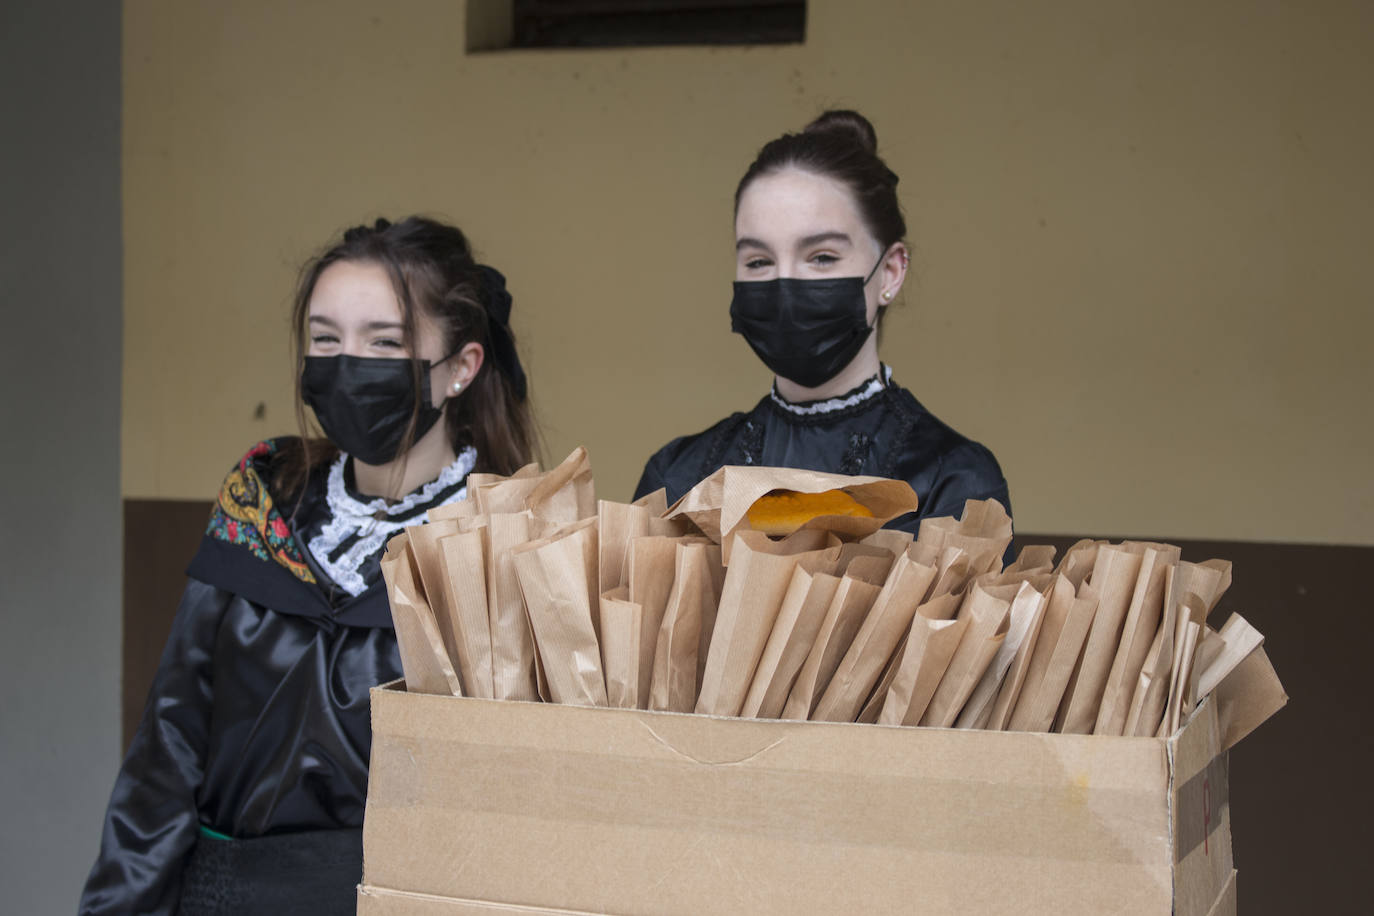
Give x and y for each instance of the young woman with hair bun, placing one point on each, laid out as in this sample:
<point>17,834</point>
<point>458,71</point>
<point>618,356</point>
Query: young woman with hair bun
<point>244,787</point>
<point>819,255</point>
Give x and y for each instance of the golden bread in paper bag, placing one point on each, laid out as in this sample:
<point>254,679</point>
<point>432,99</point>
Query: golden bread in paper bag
<point>781,512</point>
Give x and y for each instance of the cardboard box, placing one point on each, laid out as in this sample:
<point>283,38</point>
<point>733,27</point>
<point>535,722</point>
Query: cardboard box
<point>486,807</point>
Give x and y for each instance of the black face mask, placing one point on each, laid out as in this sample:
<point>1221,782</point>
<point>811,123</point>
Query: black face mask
<point>364,404</point>
<point>806,331</point>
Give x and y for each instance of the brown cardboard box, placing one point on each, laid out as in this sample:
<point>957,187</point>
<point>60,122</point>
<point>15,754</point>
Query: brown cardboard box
<point>485,807</point>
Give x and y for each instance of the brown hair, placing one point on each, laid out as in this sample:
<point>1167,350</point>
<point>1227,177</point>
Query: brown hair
<point>841,145</point>
<point>432,268</point>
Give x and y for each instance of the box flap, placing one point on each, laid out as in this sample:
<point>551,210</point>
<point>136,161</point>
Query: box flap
<point>1226,901</point>
<point>382,901</point>
<point>1200,812</point>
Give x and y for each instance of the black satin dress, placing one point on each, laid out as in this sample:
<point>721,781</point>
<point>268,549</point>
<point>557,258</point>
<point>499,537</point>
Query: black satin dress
<point>878,429</point>
<point>257,724</point>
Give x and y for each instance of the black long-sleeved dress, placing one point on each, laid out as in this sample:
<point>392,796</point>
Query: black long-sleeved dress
<point>257,723</point>
<point>877,429</point>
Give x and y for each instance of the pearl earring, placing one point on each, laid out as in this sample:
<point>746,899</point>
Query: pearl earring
<point>457,387</point>
<point>887,297</point>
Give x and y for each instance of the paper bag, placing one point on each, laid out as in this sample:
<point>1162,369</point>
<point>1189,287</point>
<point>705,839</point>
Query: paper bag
<point>1247,696</point>
<point>650,564</point>
<point>1143,615</point>
<point>842,620</point>
<point>878,637</point>
<point>565,494</point>
<point>1152,684</point>
<point>1068,617</point>
<point>424,660</point>
<point>719,505</point>
<point>676,663</point>
<point>620,638</point>
<point>756,581</point>
<point>465,591</point>
<point>987,609</point>
<point>1022,616</point>
<point>514,663</point>
<point>1113,579</point>
<point>794,631</point>
<point>983,532</point>
<point>558,589</point>
<point>935,634</point>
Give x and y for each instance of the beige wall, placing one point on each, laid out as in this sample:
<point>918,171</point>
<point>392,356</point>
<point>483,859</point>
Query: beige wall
<point>1142,232</point>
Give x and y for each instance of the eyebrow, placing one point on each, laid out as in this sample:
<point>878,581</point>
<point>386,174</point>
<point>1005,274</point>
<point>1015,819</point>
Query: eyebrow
<point>819,237</point>
<point>369,326</point>
<point>805,242</point>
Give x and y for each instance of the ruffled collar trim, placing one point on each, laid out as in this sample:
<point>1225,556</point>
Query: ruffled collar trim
<point>864,391</point>
<point>345,501</point>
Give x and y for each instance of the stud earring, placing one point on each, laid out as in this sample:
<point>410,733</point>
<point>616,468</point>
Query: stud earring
<point>887,297</point>
<point>457,387</point>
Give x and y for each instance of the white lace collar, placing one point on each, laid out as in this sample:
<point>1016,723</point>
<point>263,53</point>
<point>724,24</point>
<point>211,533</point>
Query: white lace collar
<point>357,528</point>
<point>851,398</point>
<point>344,504</point>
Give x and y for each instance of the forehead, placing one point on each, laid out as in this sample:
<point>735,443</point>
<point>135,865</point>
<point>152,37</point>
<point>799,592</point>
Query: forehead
<point>792,203</point>
<point>349,291</point>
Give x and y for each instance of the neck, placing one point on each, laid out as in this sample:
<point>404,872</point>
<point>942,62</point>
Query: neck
<point>863,366</point>
<point>417,467</point>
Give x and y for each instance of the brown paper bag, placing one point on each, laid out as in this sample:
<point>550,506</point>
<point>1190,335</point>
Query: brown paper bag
<point>988,611</point>
<point>935,634</point>
<point>429,562</point>
<point>894,540</point>
<point>514,662</point>
<point>617,525</point>
<point>424,660</point>
<point>719,505</point>
<point>794,631</point>
<point>620,622</point>
<point>1113,578</point>
<point>1143,615</point>
<point>656,502</point>
<point>1152,684</point>
<point>756,581</point>
<point>1068,618</point>
<point>842,620</point>
<point>1014,681</point>
<point>567,493</point>
<point>1022,617</point>
<point>650,563</point>
<point>465,596</point>
<point>1032,558</point>
<point>878,637</point>
<point>1182,682</point>
<point>1209,581</point>
<point>673,681</point>
<point>868,562</point>
<point>558,587</point>
<point>1239,639</point>
<point>983,532</point>
<point>462,509</point>
<point>1247,696</point>
<point>1078,561</point>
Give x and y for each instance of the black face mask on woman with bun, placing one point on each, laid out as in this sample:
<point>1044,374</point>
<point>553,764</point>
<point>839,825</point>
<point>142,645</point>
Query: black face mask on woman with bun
<point>806,331</point>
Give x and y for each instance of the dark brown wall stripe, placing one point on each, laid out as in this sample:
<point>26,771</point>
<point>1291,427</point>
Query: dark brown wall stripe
<point>1293,782</point>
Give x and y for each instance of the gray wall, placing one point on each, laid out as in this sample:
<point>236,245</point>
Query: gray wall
<point>60,355</point>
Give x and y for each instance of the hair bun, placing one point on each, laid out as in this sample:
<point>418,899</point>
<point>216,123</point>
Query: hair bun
<point>358,233</point>
<point>850,124</point>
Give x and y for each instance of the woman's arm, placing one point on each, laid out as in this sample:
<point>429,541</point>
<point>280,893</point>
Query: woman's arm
<point>152,821</point>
